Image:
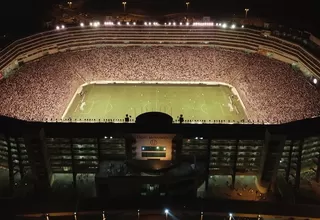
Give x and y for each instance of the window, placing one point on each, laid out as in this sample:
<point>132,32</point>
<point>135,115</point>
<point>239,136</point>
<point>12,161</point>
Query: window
<point>153,148</point>
<point>147,154</point>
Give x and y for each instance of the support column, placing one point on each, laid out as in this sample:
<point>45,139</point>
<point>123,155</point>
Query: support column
<point>73,164</point>
<point>21,167</point>
<point>289,162</point>
<point>270,160</point>
<point>177,145</point>
<point>208,164</point>
<point>39,160</point>
<point>129,142</point>
<point>318,169</point>
<point>10,165</point>
<point>99,152</point>
<point>234,168</point>
<point>298,170</point>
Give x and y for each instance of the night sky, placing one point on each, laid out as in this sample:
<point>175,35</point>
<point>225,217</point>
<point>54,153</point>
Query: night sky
<point>26,15</point>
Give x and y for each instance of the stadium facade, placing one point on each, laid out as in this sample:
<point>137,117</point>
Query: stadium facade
<point>157,150</point>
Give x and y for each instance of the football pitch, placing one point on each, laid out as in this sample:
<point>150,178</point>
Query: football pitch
<point>197,103</point>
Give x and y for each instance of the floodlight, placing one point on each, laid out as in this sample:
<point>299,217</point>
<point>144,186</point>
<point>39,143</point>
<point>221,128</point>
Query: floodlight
<point>233,26</point>
<point>230,214</point>
<point>81,24</point>
<point>224,25</point>
<point>145,23</point>
<point>315,81</point>
<point>62,26</point>
<point>166,211</point>
<point>57,27</point>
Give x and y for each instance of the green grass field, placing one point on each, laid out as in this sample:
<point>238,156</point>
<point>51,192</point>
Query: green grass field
<point>195,102</point>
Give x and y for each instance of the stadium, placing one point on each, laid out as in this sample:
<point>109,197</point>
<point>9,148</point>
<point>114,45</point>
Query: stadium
<point>167,55</point>
<point>191,110</point>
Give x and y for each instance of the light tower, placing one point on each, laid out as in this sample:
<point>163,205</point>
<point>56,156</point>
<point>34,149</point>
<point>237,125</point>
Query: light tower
<point>187,4</point>
<point>124,6</point>
<point>69,3</point>
<point>166,211</point>
<point>246,10</point>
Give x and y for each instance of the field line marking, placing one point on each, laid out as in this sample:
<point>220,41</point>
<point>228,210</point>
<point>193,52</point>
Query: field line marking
<point>203,109</point>
<point>222,110</point>
<point>224,95</point>
<point>90,109</point>
<point>105,109</point>
<point>145,107</point>
<point>76,108</point>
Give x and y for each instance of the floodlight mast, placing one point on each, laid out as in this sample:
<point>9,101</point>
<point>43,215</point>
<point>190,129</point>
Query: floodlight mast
<point>166,211</point>
<point>246,10</point>
<point>124,6</point>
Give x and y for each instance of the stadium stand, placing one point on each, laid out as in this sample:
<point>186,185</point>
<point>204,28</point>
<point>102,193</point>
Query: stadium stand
<point>43,72</point>
<point>271,90</point>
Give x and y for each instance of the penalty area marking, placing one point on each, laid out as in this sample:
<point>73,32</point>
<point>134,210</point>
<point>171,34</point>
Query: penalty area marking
<point>76,108</point>
<point>106,110</point>
<point>202,109</point>
<point>90,109</point>
<point>225,113</point>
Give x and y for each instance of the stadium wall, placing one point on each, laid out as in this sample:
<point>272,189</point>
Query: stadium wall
<point>70,39</point>
<point>266,145</point>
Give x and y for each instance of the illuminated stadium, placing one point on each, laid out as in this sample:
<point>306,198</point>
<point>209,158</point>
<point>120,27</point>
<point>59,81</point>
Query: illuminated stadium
<point>159,110</point>
<point>185,55</point>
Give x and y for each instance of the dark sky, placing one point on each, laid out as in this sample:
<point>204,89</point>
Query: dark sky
<point>27,14</point>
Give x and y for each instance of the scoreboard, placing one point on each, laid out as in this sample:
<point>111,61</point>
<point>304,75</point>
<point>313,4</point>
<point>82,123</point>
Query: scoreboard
<point>153,146</point>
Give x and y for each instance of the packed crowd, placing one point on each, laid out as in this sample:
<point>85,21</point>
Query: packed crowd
<point>271,90</point>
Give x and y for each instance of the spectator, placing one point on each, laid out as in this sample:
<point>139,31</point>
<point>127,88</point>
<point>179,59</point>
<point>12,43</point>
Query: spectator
<point>271,90</point>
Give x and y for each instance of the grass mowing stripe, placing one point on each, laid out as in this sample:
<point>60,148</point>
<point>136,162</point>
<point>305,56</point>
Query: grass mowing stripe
<point>195,102</point>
